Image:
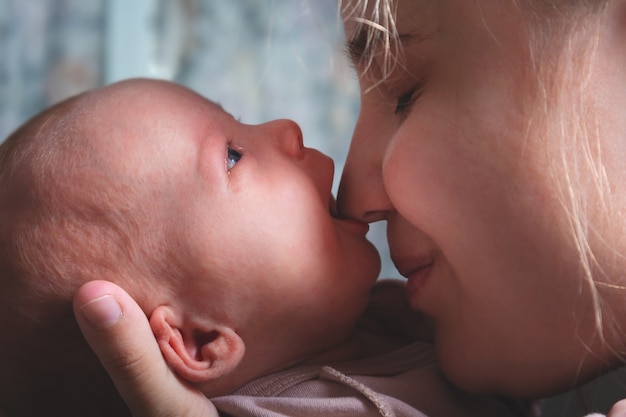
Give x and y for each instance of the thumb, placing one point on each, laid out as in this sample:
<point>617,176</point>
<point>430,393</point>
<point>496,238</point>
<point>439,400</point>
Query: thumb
<point>618,410</point>
<point>119,333</point>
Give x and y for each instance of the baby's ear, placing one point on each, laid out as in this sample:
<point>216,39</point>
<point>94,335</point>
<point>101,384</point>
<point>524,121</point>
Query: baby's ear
<point>198,352</point>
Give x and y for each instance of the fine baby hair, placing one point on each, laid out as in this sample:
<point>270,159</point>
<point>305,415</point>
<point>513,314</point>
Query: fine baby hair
<point>54,234</point>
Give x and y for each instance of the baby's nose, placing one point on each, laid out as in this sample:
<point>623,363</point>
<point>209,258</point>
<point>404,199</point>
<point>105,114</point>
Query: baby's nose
<point>287,136</point>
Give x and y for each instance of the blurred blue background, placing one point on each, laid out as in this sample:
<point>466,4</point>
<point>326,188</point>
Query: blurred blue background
<point>261,60</point>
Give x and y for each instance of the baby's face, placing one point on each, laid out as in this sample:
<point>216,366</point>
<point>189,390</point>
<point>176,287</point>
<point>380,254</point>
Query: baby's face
<point>247,209</point>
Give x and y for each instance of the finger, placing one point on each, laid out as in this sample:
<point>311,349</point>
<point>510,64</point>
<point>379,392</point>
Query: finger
<point>119,333</point>
<point>618,410</point>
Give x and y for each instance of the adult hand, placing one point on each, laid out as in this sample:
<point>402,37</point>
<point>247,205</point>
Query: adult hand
<point>618,410</point>
<point>119,333</point>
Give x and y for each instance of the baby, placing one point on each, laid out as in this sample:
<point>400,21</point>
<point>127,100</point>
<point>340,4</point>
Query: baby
<point>227,236</point>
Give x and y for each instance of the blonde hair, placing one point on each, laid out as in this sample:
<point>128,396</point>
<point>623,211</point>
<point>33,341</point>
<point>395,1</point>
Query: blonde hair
<point>564,38</point>
<point>376,24</point>
<point>562,42</point>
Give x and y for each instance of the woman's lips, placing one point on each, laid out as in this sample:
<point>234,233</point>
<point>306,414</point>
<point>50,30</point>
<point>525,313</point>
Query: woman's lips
<point>416,282</point>
<point>417,273</point>
<point>408,266</point>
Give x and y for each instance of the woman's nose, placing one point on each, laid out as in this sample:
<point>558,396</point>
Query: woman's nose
<point>287,136</point>
<point>361,192</point>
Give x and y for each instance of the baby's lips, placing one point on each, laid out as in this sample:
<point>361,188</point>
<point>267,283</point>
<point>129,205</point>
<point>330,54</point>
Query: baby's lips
<point>356,226</point>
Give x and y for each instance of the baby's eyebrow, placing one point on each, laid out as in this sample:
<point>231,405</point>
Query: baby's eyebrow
<point>220,107</point>
<point>216,104</point>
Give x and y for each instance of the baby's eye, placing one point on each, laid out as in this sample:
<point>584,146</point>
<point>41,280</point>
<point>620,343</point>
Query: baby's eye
<point>232,158</point>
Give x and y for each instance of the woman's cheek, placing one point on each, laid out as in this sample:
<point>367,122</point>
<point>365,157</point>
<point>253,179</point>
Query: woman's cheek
<point>413,179</point>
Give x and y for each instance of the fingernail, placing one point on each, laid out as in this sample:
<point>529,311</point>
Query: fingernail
<point>102,312</point>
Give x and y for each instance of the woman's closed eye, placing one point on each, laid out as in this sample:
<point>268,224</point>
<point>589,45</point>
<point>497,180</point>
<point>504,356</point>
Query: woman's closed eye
<point>407,99</point>
<point>233,156</point>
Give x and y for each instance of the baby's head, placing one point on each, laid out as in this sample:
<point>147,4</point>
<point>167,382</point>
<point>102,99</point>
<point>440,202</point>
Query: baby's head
<point>223,232</point>
<point>69,215</point>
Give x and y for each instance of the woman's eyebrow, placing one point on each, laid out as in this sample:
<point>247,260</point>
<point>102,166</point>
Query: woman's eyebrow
<point>364,45</point>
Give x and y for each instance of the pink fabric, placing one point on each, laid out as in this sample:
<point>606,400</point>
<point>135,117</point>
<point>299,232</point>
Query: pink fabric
<point>402,383</point>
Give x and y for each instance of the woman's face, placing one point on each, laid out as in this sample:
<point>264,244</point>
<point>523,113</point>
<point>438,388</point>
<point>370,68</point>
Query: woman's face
<point>446,152</point>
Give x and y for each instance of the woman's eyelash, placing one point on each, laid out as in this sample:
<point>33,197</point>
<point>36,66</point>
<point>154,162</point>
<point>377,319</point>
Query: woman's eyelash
<point>232,157</point>
<point>406,100</point>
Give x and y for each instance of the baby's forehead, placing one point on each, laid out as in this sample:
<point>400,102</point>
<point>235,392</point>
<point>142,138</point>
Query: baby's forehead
<point>136,127</point>
<point>152,102</point>
<point>150,88</point>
